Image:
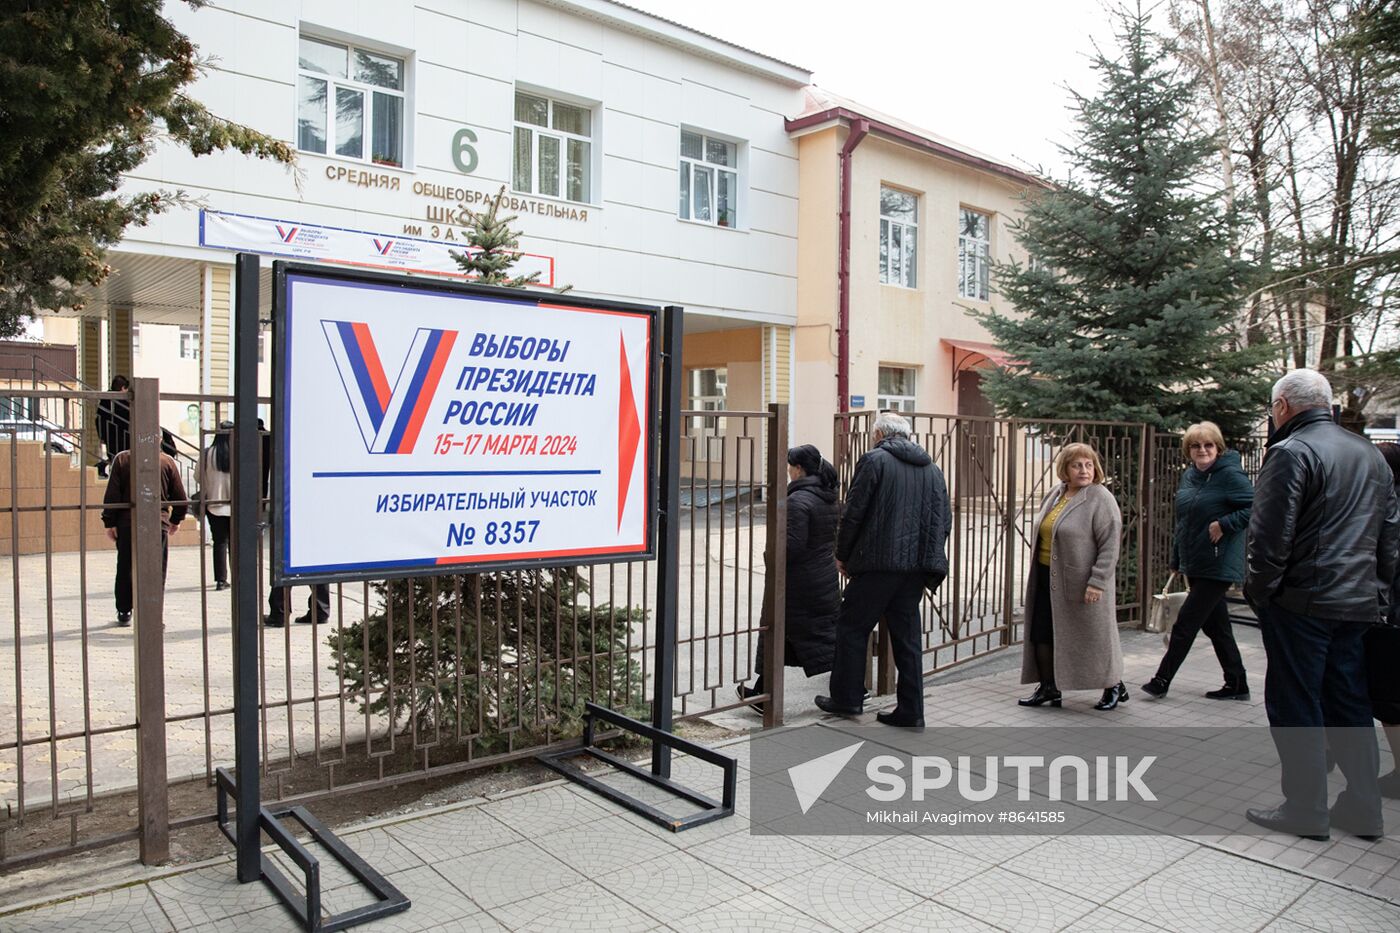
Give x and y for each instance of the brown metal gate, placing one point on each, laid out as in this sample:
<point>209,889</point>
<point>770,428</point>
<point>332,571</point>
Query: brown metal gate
<point>999,471</point>
<point>404,680</point>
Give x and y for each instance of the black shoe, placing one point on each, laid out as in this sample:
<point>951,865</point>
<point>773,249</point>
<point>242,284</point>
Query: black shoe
<point>828,705</point>
<point>1390,785</point>
<point>1231,691</point>
<point>1278,821</point>
<point>1368,830</point>
<point>123,619</point>
<point>306,619</point>
<point>274,621</point>
<point>221,584</point>
<point>1043,694</point>
<point>745,693</point>
<point>895,718</point>
<point>1112,697</point>
<point>1156,688</point>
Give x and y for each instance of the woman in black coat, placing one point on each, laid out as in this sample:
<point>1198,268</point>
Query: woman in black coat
<point>812,595</point>
<point>1213,505</point>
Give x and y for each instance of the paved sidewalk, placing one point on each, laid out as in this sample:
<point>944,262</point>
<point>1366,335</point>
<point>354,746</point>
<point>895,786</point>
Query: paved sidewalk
<point>556,857</point>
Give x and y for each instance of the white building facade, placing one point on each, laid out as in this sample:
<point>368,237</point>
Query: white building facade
<point>645,161</point>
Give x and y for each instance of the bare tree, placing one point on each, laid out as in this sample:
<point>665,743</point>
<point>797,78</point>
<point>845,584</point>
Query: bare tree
<point>1294,102</point>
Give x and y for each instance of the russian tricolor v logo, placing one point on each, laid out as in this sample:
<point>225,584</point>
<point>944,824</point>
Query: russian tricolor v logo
<point>389,418</point>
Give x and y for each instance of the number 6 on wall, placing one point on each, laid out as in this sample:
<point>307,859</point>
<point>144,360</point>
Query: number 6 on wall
<point>463,155</point>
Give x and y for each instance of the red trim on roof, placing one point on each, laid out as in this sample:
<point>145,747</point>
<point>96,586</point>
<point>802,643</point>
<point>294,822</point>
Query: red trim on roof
<point>897,134</point>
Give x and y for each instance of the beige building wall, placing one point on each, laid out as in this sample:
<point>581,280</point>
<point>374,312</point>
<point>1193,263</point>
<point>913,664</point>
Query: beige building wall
<point>889,324</point>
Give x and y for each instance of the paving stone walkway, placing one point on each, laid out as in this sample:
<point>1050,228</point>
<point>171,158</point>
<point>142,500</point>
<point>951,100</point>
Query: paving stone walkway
<point>557,857</point>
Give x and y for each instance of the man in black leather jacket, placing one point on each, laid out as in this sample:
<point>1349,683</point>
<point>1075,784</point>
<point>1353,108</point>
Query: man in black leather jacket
<point>1323,544</point>
<point>891,543</point>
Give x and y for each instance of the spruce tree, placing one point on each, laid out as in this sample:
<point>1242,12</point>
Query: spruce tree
<point>492,246</point>
<point>1127,306</point>
<point>87,88</point>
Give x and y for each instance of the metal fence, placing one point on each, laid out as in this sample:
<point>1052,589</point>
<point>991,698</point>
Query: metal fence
<point>402,681</point>
<point>998,473</point>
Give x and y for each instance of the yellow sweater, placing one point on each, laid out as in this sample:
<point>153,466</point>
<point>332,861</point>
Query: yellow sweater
<point>1047,531</point>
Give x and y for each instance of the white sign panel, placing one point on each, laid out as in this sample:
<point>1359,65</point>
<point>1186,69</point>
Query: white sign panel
<point>421,426</point>
<point>359,248</point>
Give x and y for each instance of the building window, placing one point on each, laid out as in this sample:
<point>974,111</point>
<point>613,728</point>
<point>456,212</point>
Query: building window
<point>553,148</point>
<point>135,339</point>
<point>896,389</point>
<point>708,388</point>
<point>262,344</point>
<point>899,237</point>
<point>974,246</point>
<point>709,180</point>
<point>350,102</point>
<point>189,342</point>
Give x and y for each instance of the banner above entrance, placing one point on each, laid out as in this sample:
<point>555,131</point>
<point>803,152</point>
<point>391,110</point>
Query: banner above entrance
<point>361,248</point>
<point>430,427</point>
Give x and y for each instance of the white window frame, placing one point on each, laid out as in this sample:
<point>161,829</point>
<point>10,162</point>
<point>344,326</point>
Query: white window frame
<point>367,111</point>
<point>701,426</point>
<point>974,258</point>
<point>899,272</point>
<point>900,403</point>
<point>690,168</point>
<point>563,138</point>
<point>189,342</point>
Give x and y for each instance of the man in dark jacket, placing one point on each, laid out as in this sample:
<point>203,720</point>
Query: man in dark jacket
<point>1322,553</point>
<point>114,423</point>
<point>890,544</point>
<point>116,517</point>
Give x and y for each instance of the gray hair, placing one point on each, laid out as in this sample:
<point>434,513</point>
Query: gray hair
<point>1303,389</point>
<point>891,425</point>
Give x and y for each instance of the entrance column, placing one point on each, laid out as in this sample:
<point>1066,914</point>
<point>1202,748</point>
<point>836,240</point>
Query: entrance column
<point>119,352</point>
<point>215,326</point>
<point>90,375</point>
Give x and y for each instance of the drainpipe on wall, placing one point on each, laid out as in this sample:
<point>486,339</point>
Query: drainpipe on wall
<point>859,129</point>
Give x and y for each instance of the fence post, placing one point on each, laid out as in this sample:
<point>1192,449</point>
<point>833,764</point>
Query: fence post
<point>148,591</point>
<point>1012,501</point>
<point>1146,543</point>
<point>774,594</point>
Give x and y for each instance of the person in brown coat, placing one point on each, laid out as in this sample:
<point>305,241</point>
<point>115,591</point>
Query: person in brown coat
<point>1071,614</point>
<point>118,520</point>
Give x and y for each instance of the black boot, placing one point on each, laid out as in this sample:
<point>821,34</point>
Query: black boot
<point>1112,697</point>
<point>1233,690</point>
<point>1156,688</point>
<point>746,692</point>
<point>1045,693</point>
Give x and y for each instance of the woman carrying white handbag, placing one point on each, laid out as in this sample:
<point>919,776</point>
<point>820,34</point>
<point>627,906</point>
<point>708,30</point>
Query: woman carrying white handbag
<point>1212,514</point>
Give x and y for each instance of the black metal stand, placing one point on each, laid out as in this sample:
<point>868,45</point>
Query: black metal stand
<point>713,810</point>
<point>388,899</point>
<point>667,589</point>
<point>253,819</point>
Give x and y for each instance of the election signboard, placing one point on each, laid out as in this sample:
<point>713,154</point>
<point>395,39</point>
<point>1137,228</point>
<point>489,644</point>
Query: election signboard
<point>362,248</point>
<point>425,426</point>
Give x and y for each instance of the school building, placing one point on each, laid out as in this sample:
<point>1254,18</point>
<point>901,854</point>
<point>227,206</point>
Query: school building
<point>815,244</point>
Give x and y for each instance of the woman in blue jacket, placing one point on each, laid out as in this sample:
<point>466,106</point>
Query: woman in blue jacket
<point>1212,514</point>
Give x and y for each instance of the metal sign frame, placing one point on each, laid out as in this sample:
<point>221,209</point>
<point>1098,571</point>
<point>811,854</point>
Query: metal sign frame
<point>282,271</point>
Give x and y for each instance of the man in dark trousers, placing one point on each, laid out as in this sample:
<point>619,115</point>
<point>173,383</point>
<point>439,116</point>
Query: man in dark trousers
<point>1322,554</point>
<point>891,543</point>
<point>116,517</point>
<point>318,605</point>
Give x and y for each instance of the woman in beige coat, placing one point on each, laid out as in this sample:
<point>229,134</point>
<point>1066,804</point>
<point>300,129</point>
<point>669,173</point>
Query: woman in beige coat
<point>1071,615</point>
